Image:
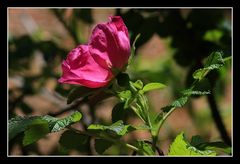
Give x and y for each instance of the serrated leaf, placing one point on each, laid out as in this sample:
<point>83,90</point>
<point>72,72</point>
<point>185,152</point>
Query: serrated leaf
<point>102,145</point>
<point>35,131</point>
<point>79,92</point>
<point>200,144</point>
<point>176,104</point>
<point>153,86</point>
<point>144,148</point>
<point>117,129</point>
<point>59,124</point>
<point>214,58</point>
<point>181,147</point>
<point>180,102</point>
<point>191,92</point>
<point>72,140</point>
<point>19,124</point>
<point>215,146</point>
<point>214,61</point>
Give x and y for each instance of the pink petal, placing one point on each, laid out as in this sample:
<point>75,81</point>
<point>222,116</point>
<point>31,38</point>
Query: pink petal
<point>110,45</point>
<point>82,69</point>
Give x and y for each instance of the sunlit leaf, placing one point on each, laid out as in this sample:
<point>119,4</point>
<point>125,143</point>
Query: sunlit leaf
<point>59,124</point>
<point>117,129</point>
<point>19,124</point>
<point>214,61</point>
<point>153,86</point>
<point>181,147</point>
<point>191,92</point>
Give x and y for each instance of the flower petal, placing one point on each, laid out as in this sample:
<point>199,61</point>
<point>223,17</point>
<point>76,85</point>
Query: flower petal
<point>110,45</point>
<point>82,69</point>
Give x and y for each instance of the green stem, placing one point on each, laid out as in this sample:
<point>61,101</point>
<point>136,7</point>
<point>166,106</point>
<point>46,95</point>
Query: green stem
<point>165,116</point>
<point>227,58</point>
<point>131,147</point>
<point>164,119</point>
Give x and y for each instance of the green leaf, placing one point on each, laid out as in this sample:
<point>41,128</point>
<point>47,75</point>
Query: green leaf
<point>118,112</point>
<point>102,145</point>
<point>191,92</point>
<point>144,148</point>
<point>79,92</point>
<point>200,144</point>
<point>19,124</point>
<point>213,35</point>
<point>152,86</point>
<point>196,140</point>
<point>156,122</point>
<point>133,49</point>
<point>117,129</point>
<point>176,104</point>
<point>59,124</point>
<point>214,61</point>
<point>215,146</point>
<point>138,84</point>
<point>180,147</point>
<point>35,131</point>
<point>125,96</point>
<point>72,140</point>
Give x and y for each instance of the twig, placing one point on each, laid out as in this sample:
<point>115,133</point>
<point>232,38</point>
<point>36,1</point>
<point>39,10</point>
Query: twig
<point>70,107</point>
<point>71,32</point>
<point>160,152</point>
<point>217,119</point>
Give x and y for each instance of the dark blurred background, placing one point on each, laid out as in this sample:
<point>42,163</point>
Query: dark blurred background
<point>173,43</point>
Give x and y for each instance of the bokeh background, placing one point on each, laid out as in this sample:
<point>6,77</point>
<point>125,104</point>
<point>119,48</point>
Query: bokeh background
<point>173,43</point>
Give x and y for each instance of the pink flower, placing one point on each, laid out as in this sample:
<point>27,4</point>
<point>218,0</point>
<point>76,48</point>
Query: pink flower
<point>94,65</point>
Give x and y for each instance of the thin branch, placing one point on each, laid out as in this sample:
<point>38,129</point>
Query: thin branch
<point>70,31</point>
<point>70,107</point>
<point>217,119</point>
<point>160,152</point>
